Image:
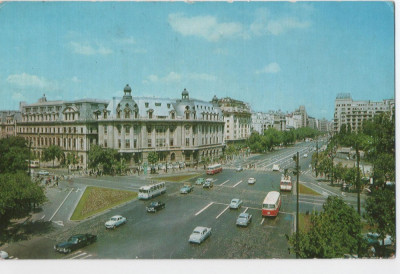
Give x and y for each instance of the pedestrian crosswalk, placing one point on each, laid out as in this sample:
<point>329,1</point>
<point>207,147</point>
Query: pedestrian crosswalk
<point>78,255</point>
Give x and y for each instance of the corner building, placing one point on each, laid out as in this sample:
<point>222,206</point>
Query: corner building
<point>179,130</point>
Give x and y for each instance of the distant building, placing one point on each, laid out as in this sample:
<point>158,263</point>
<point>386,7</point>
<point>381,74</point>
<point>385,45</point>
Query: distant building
<point>353,113</point>
<point>237,118</point>
<point>261,121</point>
<point>8,122</point>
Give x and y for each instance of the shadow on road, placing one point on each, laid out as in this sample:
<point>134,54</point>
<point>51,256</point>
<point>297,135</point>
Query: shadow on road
<point>23,231</point>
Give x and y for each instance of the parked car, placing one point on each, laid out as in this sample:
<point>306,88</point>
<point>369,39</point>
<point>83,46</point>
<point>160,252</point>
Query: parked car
<point>3,255</point>
<point>275,168</point>
<point>186,189</point>
<point>115,221</point>
<point>154,206</point>
<point>75,242</point>
<point>43,172</point>
<point>305,155</point>
<point>208,183</point>
<point>200,234</point>
<point>235,203</point>
<point>244,219</point>
<point>200,181</point>
<point>239,168</point>
<point>251,181</point>
<point>374,239</point>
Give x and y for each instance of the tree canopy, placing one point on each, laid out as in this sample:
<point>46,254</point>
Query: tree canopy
<point>52,152</point>
<point>14,154</point>
<point>334,231</point>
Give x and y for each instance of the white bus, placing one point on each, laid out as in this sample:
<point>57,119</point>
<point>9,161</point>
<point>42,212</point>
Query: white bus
<point>271,204</point>
<point>150,191</point>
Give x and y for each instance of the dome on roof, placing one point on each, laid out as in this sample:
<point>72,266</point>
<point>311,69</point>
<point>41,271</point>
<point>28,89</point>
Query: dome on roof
<point>127,88</point>
<point>185,92</point>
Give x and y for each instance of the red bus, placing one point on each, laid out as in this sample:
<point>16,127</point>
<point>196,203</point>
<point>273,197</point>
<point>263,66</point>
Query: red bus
<point>271,204</point>
<point>286,183</point>
<point>213,169</point>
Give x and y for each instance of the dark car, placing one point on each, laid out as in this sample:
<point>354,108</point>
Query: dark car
<point>75,242</point>
<point>154,206</point>
<point>186,189</point>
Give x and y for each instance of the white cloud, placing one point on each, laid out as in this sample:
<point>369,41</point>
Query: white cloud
<point>75,79</point>
<point>267,23</point>
<point>201,76</point>
<point>25,80</point>
<point>126,40</point>
<point>270,68</point>
<point>206,27</point>
<point>87,49</point>
<point>17,96</point>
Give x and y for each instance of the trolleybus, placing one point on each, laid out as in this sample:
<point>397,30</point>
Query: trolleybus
<point>271,204</point>
<point>213,169</point>
<point>150,191</point>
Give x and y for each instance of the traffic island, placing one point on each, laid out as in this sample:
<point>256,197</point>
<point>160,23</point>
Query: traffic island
<point>306,190</point>
<point>97,199</point>
<point>176,178</point>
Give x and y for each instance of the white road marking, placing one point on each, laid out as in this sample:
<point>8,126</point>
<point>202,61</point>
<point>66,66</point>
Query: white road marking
<point>238,183</point>
<point>262,221</point>
<point>60,223</point>
<point>245,210</point>
<point>222,212</point>
<point>333,193</point>
<point>87,256</point>
<point>224,182</point>
<point>304,202</point>
<point>207,206</point>
<point>60,205</point>
<point>82,254</point>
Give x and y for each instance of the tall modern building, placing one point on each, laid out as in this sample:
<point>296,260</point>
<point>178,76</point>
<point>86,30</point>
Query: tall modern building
<point>177,129</point>
<point>353,113</point>
<point>237,117</point>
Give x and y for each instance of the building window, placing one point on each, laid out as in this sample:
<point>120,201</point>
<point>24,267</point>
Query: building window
<point>105,143</point>
<point>119,143</point>
<point>105,130</point>
<point>127,130</point>
<point>146,105</point>
<point>150,115</point>
<point>134,143</point>
<point>127,143</point>
<point>171,142</point>
<point>187,142</point>
<point>149,143</point>
<point>119,130</point>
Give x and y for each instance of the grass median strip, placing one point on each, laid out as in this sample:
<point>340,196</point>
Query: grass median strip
<point>176,178</point>
<point>98,199</point>
<point>306,190</point>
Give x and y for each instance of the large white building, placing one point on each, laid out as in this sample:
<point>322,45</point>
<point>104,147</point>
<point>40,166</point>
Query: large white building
<point>177,129</point>
<point>237,118</point>
<point>353,113</point>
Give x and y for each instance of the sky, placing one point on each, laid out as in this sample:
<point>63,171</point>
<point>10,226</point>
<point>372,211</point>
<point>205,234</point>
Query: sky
<point>273,55</point>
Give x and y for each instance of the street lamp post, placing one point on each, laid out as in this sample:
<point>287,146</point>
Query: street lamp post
<point>296,159</point>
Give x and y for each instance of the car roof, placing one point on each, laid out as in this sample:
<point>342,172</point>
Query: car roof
<point>116,216</point>
<point>235,200</point>
<point>200,228</point>
<point>243,214</point>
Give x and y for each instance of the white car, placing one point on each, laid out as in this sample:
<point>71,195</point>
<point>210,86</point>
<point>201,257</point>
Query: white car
<point>235,203</point>
<point>239,168</point>
<point>43,172</point>
<point>3,255</point>
<point>115,221</point>
<point>251,181</point>
<point>275,168</point>
<point>305,155</point>
<point>200,234</point>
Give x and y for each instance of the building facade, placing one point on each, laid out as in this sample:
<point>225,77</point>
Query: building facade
<point>353,113</point>
<point>185,129</point>
<point>261,121</point>
<point>8,123</point>
<point>237,118</point>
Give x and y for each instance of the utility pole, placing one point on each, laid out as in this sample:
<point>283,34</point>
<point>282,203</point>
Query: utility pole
<point>29,158</point>
<point>316,162</point>
<point>296,158</point>
<point>358,180</point>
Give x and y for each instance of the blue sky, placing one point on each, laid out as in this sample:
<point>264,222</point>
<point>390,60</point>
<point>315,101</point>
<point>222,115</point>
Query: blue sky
<point>273,55</point>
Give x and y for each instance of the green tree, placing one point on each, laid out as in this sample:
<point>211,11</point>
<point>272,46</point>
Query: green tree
<point>95,156</point>
<point>152,157</point>
<point>381,213</point>
<point>18,196</point>
<point>14,154</point>
<point>51,153</point>
<point>71,159</point>
<point>334,231</point>
<point>105,159</point>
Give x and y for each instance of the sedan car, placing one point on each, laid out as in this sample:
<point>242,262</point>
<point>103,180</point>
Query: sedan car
<point>275,168</point>
<point>200,234</point>
<point>244,219</point>
<point>208,183</point>
<point>186,189</point>
<point>235,203</point>
<point>3,255</point>
<point>239,168</point>
<point>115,221</point>
<point>154,206</point>
<point>251,181</point>
<point>75,242</point>
<point>199,181</point>
<point>43,172</point>
<point>373,239</point>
